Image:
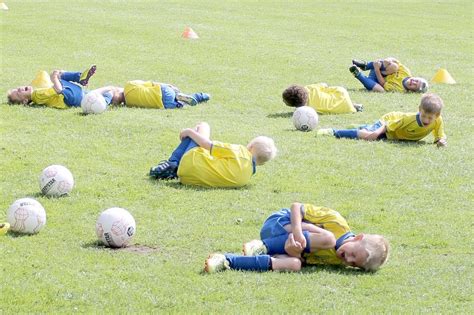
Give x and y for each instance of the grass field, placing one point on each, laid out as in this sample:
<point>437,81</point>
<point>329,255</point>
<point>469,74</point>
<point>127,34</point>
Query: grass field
<point>419,197</point>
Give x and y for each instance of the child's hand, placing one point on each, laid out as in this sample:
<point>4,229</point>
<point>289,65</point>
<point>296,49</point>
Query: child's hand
<point>441,143</point>
<point>299,237</point>
<point>292,247</point>
<point>185,133</point>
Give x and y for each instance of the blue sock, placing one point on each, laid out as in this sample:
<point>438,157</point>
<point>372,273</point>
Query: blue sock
<point>71,76</point>
<point>185,145</point>
<point>276,245</point>
<point>201,97</point>
<point>370,66</point>
<point>346,133</point>
<point>368,83</point>
<point>252,263</point>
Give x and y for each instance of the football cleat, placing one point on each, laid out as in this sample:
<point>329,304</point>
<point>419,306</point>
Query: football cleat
<point>86,75</point>
<point>215,263</point>
<point>165,170</point>
<point>254,248</point>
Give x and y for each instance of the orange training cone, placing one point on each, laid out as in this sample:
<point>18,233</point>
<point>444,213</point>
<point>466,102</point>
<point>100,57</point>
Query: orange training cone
<point>189,33</point>
<point>443,76</point>
<point>3,6</point>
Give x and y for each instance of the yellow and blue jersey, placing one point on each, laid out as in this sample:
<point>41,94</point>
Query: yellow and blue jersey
<point>332,221</point>
<point>143,94</point>
<point>48,97</point>
<point>394,81</point>
<point>329,99</point>
<point>408,126</point>
<point>224,165</point>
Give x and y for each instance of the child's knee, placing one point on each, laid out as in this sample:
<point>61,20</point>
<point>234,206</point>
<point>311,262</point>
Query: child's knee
<point>294,264</point>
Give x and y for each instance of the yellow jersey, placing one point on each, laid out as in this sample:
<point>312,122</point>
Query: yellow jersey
<point>143,94</point>
<point>329,99</point>
<point>332,221</point>
<point>48,97</point>
<point>408,126</point>
<point>394,81</point>
<point>225,165</point>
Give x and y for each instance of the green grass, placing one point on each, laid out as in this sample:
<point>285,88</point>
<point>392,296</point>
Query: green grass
<point>419,197</point>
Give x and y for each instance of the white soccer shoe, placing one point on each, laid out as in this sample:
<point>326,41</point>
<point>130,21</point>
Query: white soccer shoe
<point>215,263</point>
<point>254,248</point>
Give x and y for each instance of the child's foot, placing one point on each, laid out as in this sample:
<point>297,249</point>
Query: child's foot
<point>354,70</point>
<point>325,132</point>
<point>164,170</point>
<point>215,263</point>
<point>254,248</point>
<point>362,64</point>
<point>86,75</point>
<point>358,107</point>
<point>201,97</point>
<point>187,99</point>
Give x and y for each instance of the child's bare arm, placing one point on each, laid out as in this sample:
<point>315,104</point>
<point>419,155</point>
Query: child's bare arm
<point>378,73</point>
<point>201,140</point>
<point>296,219</point>
<point>371,135</point>
<point>57,86</point>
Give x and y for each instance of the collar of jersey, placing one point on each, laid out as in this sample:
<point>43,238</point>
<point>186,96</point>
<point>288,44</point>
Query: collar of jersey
<point>344,237</point>
<point>403,83</point>
<point>418,120</point>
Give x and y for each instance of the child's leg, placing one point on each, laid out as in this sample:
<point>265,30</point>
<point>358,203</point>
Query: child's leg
<point>71,76</point>
<point>168,97</point>
<point>187,143</point>
<point>276,245</point>
<point>201,97</point>
<point>251,263</point>
<point>346,133</point>
<point>367,82</point>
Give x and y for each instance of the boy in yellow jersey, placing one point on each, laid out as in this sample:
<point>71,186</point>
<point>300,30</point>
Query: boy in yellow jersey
<point>323,98</point>
<point>66,90</point>
<point>202,162</point>
<point>149,94</point>
<point>305,234</point>
<point>401,126</point>
<point>387,75</point>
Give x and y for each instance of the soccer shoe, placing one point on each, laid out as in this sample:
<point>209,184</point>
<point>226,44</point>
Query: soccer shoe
<point>201,97</point>
<point>362,64</point>
<point>215,263</point>
<point>4,227</point>
<point>254,248</point>
<point>358,107</point>
<point>354,70</point>
<point>187,99</point>
<point>86,75</point>
<point>325,132</point>
<point>164,170</point>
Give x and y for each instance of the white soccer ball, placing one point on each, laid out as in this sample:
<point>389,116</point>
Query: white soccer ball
<point>26,215</point>
<point>115,227</point>
<point>56,181</point>
<point>305,118</point>
<point>93,103</point>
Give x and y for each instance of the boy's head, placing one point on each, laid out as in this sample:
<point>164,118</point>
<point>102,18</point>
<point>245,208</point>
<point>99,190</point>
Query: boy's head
<point>416,84</point>
<point>365,251</point>
<point>430,108</point>
<point>263,149</point>
<point>21,95</point>
<point>295,96</point>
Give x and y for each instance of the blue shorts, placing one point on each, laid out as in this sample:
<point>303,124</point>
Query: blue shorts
<point>72,93</point>
<point>374,127</point>
<point>274,224</point>
<point>168,97</point>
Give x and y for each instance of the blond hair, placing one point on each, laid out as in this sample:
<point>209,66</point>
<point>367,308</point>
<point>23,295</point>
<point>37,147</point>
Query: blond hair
<point>431,103</point>
<point>263,149</point>
<point>377,248</point>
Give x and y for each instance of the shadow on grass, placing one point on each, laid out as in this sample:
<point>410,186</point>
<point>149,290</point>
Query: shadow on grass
<point>14,234</point>
<point>415,144</point>
<point>359,90</point>
<point>314,269</point>
<point>177,185</point>
<point>134,248</point>
<point>280,115</point>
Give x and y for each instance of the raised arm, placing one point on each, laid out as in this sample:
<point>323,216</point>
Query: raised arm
<point>296,219</point>
<point>378,73</point>
<point>200,139</point>
<point>57,86</point>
